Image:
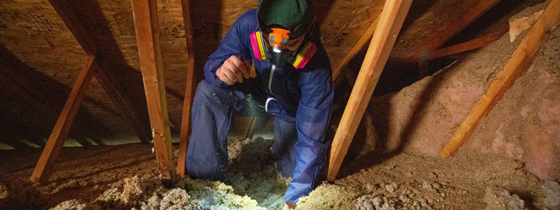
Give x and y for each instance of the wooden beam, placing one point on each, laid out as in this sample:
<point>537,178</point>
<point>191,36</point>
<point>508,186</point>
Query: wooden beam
<point>149,49</point>
<point>54,145</point>
<point>74,24</point>
<point>454,26</point>
<point>466,46</point>
<point>363,41</point>
<point>189,93</point>
<point>519,61</point>
<point>390,23</point>
<point>133,116</point>
<point>78,29</point>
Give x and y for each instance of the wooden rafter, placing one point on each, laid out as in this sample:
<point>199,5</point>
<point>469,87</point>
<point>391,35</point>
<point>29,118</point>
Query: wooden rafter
<point>189,93</point>
<point>54,145</point>
<point>72,21</point>
<point>454,26</point>
<point>363,41</point>
<point>78,29</point>
<point>151,65</point>
<point>469,45</point>
<point>519,61</point>
<point>52,149</point>
<point>390,22</point>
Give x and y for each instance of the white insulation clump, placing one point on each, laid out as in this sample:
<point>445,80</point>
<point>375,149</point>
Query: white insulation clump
<point>149,194</point>
<point>251,173</point>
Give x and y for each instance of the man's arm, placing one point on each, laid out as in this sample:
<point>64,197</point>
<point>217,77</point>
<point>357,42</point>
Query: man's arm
<point>233,44</point>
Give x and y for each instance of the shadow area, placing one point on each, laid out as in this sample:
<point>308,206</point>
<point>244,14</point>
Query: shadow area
<point>33,102</point>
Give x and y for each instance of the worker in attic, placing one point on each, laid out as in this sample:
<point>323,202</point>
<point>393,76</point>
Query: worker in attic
<point>291,81</point>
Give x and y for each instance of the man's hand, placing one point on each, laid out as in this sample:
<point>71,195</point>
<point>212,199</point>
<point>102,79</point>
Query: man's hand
<point>234,70</point>
<point>289,205</point>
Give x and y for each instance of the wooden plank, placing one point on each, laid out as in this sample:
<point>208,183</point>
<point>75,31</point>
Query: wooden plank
<point>133,116</point>
<point>190,90</point>
<point>519,61</point>
<point>68,14</point>
<point>363,41</point>
<point>390,23</point>
<point>470,45</point>
<point>149,50</point>
<point>453,27</point>
<point>74,24</point>
<point>54,145</point>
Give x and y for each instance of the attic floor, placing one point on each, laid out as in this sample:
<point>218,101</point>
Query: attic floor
<point>125,177</point>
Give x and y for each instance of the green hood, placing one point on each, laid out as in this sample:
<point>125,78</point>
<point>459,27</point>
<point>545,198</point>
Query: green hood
<point>293,15</point>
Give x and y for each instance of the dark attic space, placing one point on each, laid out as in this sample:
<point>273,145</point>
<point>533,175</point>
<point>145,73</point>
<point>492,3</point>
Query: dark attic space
<point>437,104</point>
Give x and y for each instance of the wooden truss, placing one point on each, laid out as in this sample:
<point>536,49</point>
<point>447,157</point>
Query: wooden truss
<point>146,25</point>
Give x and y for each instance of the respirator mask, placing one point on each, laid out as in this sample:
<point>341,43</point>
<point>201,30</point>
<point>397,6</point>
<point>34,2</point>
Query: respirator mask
<point>272,50</point>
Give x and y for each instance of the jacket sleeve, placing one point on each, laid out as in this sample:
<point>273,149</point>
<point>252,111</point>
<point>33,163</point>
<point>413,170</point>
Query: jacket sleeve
<point>235,42</point>
<point>312,119</point>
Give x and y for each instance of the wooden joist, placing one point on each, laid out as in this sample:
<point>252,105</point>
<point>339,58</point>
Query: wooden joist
<point>151,65</point>
<point>519,61</point>
<point>466,46</point>
<point>390,22</point>
<point>54,145</point>
<point>80,32</point>
<point>363,41</point>
<point>190,90</point>
<point>453,27</point>
<point>72,21</point>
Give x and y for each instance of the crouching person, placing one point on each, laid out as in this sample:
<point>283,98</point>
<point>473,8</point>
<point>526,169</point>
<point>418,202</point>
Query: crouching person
<point>292,81</point>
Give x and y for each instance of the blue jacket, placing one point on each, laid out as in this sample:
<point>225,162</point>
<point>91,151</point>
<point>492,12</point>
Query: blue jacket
<point>305,94</point>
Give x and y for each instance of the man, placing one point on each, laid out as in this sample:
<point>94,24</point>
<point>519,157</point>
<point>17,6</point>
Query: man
<point>292,79</point>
